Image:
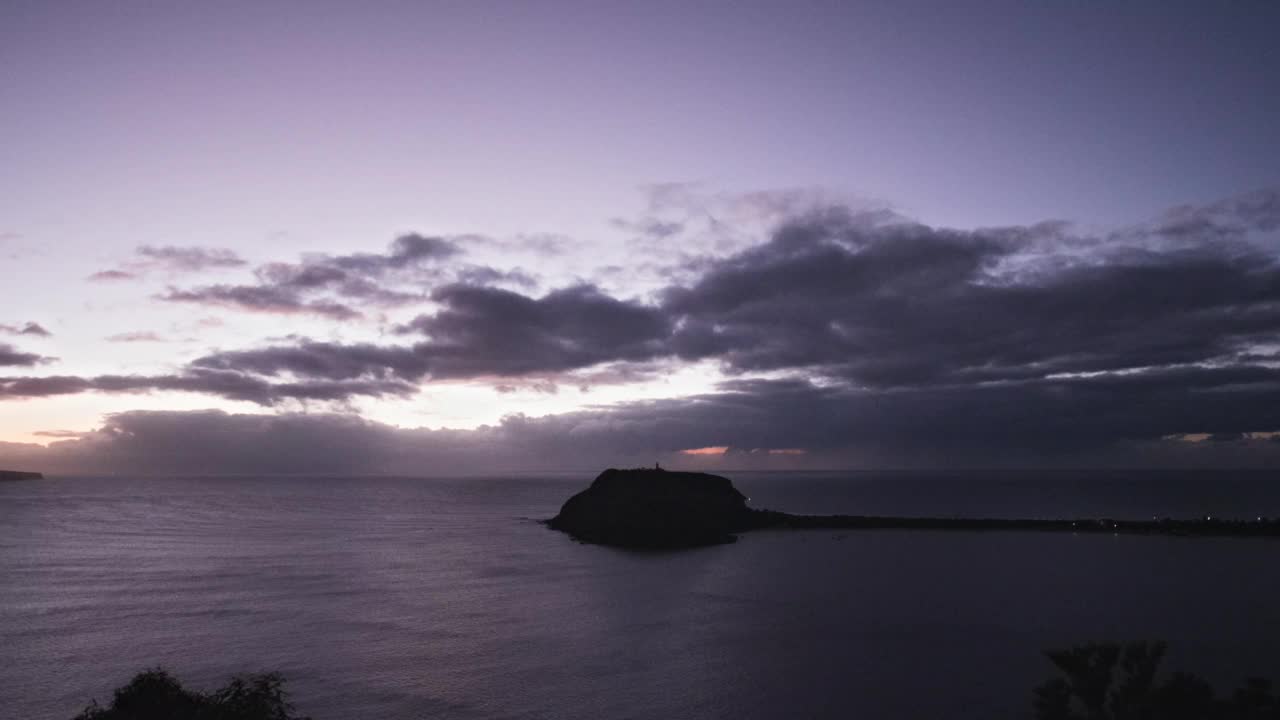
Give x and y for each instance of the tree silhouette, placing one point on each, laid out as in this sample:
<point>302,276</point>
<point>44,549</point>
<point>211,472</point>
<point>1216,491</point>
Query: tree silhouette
<point>1109,681</point>
<point>156,695</point>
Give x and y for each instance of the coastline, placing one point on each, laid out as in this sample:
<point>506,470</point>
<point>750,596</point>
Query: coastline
<point>660,509</point>
<point>1205,527</point>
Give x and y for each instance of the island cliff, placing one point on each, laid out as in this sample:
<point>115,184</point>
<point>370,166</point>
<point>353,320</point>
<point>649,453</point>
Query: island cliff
<point>660,509</point>
<point>19,475</point>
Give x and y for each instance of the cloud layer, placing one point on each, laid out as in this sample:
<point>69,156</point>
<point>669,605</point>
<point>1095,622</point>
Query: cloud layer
<point>843,334</point>
<point>751,420</point>
<point>229,385</point>
<point>332,286</point>
<point>869,302</point>
<point>171,259</point>
<point>11,356</point>
<point>28,328</point>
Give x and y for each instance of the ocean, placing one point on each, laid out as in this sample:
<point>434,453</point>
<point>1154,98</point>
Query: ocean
<point>400,598</point>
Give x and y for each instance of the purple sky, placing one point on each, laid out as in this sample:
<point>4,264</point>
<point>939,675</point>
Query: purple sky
<point>189,191</point>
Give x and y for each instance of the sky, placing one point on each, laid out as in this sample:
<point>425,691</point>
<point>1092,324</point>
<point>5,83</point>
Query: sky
<point>445,238</point>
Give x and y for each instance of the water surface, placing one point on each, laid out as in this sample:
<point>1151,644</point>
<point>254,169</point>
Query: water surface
<point>408,598</point>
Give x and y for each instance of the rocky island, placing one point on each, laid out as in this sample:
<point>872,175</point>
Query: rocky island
<point>651,508</point>
<point>19,475</point>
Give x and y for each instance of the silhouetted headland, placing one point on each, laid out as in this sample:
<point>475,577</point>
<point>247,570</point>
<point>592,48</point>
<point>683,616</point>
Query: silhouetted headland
<point>651,508</point>
<point>662,509</point>
<point>20,475</point>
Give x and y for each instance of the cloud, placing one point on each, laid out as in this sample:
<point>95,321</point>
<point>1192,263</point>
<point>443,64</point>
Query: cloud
<point>218,442</point>
<point>650,227</point>
<point>1051,422</point>
<point>542,244</point>
<point>865,299</point>
<point>405,251</point>
<point>899,304</point>
<point>60,434</point>
<point>320,360</point>
<point>286,279</point>
<point>696,222</point>
<point>484,275</point>
<point>413,256</point>
<point>480,332</point>
<point>1226,221</point>
<point>171,259</point>
<point>134,337</point>
<point>112,276</point>
<point>489,331</point>
<point>228,385</point>
<point>12,357</point>
<point>917,322</point>
<point>855,335</point>
<point>329,285</point>
<point>28,328</point>
<point>261,299</point>
<point>188,259</point>
<point>1066,422</point>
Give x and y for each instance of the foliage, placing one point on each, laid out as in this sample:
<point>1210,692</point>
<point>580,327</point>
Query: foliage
<point>156,695</point>
<point>1108,681</point>
<point>1098,681</point>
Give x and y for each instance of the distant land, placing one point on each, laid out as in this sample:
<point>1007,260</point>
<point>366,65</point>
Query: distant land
<point>661,509</point>
<point>20,475</point>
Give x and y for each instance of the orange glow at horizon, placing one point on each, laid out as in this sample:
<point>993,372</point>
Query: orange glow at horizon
<point>711,450</point>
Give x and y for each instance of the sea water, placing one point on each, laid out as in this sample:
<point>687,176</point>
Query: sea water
<point>398,598</point>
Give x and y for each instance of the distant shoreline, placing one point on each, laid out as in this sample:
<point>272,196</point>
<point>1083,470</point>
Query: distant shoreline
<point>656,508</point>
<point>1205,527</point>
<point>20,475</point>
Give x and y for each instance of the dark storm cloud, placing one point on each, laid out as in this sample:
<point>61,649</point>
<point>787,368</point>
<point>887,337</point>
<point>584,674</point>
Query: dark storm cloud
<point>11,356</point>
<point>27,328</point>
